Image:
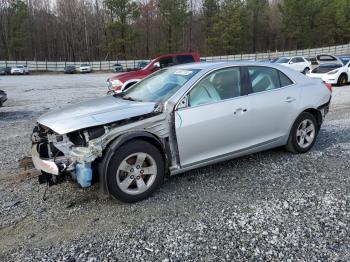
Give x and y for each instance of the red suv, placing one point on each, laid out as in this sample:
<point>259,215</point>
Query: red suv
<point>123,81</point>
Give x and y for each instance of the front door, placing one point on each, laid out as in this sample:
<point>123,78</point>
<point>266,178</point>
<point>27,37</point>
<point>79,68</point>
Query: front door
<point>215,121</point>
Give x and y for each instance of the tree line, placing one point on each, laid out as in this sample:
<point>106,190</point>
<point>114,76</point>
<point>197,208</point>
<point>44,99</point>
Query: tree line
<point>87,30</point>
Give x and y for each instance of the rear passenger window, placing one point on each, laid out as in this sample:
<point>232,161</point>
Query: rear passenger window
<point>183,59</point>
<point>285,81</point>
<point>263,78</point>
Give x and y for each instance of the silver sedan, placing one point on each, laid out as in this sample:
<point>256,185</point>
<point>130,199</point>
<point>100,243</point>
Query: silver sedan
<point>177,119</point>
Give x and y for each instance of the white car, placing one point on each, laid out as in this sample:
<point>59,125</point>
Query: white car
<point>298,63</point>
<point>332,70</point>
<point>85,68</point>
<point>19,70</point>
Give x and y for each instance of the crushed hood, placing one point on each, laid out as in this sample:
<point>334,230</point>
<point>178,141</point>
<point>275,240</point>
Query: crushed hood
<point>95,112</point>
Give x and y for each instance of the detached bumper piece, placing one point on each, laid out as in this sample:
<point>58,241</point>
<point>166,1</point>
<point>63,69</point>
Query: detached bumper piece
<point>53,173</point>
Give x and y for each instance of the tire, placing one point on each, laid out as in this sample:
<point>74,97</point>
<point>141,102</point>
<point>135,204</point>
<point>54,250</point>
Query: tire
<point>342,80</point>
<point>306,70</point>
<point>301,139</point>
<point>134,184</point>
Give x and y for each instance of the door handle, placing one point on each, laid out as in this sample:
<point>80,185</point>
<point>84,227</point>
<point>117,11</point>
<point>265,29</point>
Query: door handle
<point>290,99</point>
<point>243,110</point>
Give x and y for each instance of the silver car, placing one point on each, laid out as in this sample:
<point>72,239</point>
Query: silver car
<point>177,119</point>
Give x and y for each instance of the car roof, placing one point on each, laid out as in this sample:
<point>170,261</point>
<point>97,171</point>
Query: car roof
<point>176,54</point>
<point>214,65</point>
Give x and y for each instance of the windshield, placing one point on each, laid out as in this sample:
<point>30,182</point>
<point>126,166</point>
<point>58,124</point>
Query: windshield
<point>85,65</point>
<point>160,85</point>
<point>282,60</point>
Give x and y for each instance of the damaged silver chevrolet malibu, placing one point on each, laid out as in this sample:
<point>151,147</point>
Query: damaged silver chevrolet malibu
<point>177,119</point>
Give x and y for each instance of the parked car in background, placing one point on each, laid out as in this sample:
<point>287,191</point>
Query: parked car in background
<point>161,125</point>
<point>70,69</point>
<point>2,70</point>
<point>117,68</point>
<point>142,64</point>
<point>85,68</point>
<point>123,81</point>
<point>326,59</point>
<point>8,70</point>
<point>298,63</point>
<point>273,60</point>
<point>3,97</point>
<point>313,60</point>
<point>20,70</point>
<point>332,70</point>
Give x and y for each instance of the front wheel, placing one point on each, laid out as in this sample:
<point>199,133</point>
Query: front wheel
<point>135,171</point>
<point>303,134</point>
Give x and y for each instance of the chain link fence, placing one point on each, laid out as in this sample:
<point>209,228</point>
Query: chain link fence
<point>131,64</point>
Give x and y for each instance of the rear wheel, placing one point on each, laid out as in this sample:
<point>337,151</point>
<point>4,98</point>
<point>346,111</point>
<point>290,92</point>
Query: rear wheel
<point>306,70</point>
<point>135,171</point>
<point>342,80</point>
<point>303,134</point>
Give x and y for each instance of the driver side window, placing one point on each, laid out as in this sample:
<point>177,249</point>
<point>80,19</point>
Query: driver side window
<point>219,85</point>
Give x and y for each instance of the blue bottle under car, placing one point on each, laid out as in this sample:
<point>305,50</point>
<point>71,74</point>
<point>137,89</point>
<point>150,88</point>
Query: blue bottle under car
<point>84,174</point>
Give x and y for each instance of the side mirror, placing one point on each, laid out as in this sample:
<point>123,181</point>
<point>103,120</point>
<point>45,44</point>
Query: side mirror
<point>156,66</point>
<point>183,103</point>
<point>291,62</point>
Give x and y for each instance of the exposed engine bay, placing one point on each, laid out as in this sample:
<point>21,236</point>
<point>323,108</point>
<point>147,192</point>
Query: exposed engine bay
<point>73,155</point>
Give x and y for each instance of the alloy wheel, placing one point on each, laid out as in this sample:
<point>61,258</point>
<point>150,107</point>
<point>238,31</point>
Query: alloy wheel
<point>136,173</point>
<point>306,133</point>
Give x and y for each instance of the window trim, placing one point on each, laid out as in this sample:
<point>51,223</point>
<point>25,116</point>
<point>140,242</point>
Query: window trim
<point>266,91</point>
<point>243,88</point>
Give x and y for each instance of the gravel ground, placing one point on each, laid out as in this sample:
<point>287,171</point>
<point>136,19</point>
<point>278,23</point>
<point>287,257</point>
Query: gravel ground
<point>268,206</point>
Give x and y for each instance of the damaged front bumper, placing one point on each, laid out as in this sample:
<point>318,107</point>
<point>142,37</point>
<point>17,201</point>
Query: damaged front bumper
<point>56,157</point>
<point>47,166</point>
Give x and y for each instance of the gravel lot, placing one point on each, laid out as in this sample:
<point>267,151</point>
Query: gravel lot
<point>268,206</point>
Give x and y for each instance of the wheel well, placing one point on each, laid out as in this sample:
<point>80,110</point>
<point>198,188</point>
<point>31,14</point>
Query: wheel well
<point>344,74</point>
<point>144,137</point>
<point>317,114</point>
<point>100,164</point>
<point>129,84</point>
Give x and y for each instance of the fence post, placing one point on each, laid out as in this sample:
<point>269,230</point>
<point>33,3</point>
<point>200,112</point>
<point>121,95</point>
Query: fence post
<point>46,64</point>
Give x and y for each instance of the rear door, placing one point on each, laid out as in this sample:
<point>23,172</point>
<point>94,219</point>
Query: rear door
<point>274,100</point>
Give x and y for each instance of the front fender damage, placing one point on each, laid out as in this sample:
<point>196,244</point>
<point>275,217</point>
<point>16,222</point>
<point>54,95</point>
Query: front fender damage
<point>73,154</point>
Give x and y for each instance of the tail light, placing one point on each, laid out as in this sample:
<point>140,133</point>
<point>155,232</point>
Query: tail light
<point>329,86</point>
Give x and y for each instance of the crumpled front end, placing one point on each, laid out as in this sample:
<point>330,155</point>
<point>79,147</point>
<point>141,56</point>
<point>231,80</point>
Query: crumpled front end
<point>57,155</point>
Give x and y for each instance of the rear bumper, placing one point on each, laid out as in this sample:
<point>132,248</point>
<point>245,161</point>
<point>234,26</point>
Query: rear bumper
<point>329,79</point>
<point>324,109</point>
